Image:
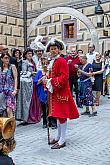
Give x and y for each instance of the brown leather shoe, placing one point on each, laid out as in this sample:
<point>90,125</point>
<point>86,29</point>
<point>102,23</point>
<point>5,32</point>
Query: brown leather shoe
<point>53,142</point>
<point>57,146</point>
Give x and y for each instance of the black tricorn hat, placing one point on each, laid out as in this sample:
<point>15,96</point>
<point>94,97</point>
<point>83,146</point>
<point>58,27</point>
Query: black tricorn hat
<point>55,42</point>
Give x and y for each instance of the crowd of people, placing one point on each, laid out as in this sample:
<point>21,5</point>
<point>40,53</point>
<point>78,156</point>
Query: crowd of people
<point>41,82</point>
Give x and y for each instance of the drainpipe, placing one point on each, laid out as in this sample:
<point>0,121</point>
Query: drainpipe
<point>25,22</point>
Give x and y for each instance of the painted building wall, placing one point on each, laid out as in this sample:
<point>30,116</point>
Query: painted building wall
<point>51,26</point>
<point>11,23</point>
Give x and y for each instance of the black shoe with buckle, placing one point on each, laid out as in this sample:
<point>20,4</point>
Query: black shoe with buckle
<point>53,142</point>
<point>57,146</point>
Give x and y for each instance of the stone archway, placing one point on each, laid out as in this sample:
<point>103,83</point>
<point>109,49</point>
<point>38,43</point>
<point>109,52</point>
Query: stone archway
<point>72,12</point>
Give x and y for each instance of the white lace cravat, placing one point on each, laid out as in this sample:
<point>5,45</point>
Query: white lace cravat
<point>49,85</point>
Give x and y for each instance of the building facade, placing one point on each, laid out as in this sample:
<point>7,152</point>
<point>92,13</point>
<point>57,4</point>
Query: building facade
<point>11,22</point>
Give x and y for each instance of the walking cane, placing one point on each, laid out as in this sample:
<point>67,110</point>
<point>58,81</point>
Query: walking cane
<point>48,131</point>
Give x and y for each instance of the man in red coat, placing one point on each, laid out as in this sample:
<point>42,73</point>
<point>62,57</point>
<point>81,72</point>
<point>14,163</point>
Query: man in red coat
<point>73,60</point>
<point>61,103</point>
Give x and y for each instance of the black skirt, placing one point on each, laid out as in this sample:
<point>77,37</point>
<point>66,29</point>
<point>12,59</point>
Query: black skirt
<point>98,83</point>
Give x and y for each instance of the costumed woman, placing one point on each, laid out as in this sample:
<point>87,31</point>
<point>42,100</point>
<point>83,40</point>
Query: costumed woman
<point>61,103</point>
<point>38,49</point>
<point>28,105</point>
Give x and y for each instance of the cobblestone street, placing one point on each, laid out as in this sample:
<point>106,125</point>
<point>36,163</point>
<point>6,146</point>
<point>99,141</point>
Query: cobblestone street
<point>88,142</point>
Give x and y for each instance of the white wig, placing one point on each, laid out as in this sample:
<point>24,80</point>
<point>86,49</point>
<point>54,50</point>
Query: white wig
<point>37,44</point>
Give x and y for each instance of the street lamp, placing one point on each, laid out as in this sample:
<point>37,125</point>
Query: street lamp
<point>25,22</point>
<point>100,15</point>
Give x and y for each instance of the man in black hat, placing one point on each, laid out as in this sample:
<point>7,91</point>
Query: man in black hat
<point>61,103</point>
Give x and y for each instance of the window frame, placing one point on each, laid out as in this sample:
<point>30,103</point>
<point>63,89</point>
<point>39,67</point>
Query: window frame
<point>64,25</point>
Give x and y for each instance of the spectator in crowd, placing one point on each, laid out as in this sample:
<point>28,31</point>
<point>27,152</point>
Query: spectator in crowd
<point>28,105</point>
<point>72,60</point>
<point>8,83</point>
<point>38,48</point>
<point>2,49</point>
<point>79,52</point>
<point>85,94</point>
<point>98,69</point>
<point>91,55</point>
<point>18,55</point>
<point>107,73</point>
<point>13,60</point>
<point>104,77</point>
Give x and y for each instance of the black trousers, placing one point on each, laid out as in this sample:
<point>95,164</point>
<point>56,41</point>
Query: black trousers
<point>52,120</point>
<point>73,80</point>
<point>44,111</point>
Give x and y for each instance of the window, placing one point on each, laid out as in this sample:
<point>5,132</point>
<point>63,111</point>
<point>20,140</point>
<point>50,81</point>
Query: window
<point>69,30</point>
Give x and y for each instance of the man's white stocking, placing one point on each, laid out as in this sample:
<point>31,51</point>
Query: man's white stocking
<point>63,133</point>
<point>59,130</point>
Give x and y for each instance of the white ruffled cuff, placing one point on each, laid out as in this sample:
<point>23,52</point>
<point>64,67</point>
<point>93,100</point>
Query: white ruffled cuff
<point>49,86</point>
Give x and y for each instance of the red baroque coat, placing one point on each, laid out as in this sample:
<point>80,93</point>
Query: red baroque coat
<point>61,103</point>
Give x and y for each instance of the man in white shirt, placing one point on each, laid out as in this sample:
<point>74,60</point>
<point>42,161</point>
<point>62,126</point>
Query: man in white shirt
<point>91,53</point>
